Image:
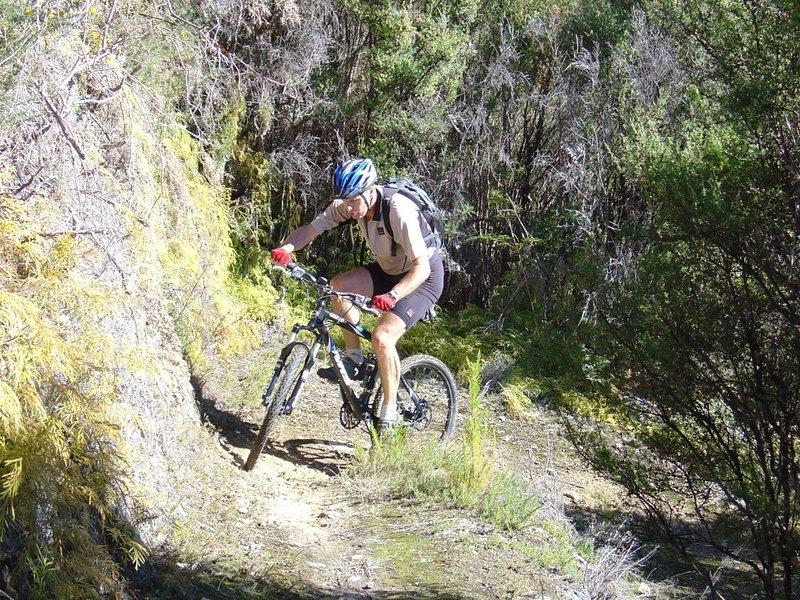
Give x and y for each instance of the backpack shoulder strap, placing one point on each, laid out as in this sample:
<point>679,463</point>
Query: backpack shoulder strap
<point>383,212</point>
<point>389,190</point>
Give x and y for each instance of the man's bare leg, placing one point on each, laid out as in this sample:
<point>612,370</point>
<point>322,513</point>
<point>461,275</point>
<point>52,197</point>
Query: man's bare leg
<point>387,332</point>
<point>358,281</point>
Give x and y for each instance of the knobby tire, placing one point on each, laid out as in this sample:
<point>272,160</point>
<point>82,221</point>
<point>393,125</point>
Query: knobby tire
<point>287,381</point>
<point>432,382</point>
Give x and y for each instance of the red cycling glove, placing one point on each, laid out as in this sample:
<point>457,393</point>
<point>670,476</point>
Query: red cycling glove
<point>281,257</point>
<point>384,302</point>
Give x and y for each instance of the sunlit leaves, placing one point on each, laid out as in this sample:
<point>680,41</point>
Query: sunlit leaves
<point>704,337</point>
<point>57,429</point>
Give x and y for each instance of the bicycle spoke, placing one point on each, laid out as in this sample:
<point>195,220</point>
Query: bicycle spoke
<point>426,399</point>
<point>283,388</point>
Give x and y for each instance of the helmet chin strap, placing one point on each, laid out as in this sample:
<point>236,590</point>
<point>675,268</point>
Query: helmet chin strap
<point>370,205</point>
<point>373,197</point>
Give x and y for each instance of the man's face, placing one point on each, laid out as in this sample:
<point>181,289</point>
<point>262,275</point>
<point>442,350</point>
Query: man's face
<point>357,206</point>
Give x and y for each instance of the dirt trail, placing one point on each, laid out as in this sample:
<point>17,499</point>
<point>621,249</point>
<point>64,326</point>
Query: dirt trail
<point>310,511</point>
<point>292,513</point>
<point>296,525</point>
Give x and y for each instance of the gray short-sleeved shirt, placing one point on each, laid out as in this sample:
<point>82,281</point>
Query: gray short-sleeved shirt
<point>405,219</point>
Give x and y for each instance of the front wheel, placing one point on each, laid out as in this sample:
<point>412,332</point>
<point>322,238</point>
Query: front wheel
<point>426,398</point>
<point>286,382</point>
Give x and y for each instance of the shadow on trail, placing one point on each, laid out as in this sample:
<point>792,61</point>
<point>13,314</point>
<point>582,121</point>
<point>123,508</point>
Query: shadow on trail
<point>166,578</point>
<point>233,430</point>
<point>326,456</point>
<point>235,433</point>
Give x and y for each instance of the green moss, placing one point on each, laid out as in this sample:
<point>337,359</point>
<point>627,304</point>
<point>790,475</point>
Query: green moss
<point>259,298</point>
<point>215,312</point>
<point>412,556</point>
<point>516,398</point>
<point>229,117</point>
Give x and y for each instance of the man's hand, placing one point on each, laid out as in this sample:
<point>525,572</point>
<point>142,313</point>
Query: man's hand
<point>384,302</point>
<point>281,257</point>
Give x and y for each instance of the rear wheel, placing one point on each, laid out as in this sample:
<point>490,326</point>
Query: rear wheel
<point>287,382</point>
<point>426,398</point>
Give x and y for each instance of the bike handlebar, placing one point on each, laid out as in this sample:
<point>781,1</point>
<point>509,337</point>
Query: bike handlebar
<point>297,272</point>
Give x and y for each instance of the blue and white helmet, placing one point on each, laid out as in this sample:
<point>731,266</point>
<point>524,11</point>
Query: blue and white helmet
<point>351,177</point>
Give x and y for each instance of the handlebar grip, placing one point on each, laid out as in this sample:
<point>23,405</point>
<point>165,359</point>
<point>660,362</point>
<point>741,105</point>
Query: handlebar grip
<point>292,269</point>
<point>287,267</point>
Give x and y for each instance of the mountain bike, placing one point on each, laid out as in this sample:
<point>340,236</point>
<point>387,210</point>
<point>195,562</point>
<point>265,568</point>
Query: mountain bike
<point>426,398</point>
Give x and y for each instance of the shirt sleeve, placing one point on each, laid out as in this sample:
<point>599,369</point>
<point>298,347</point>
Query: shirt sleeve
<point>335,213</point>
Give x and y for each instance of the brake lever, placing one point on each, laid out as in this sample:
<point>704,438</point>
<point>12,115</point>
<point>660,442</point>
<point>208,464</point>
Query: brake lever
<point>369,308</point>
<point>361,302</point>
<point>294,271</point>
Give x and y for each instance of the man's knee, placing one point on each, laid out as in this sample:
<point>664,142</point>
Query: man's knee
<point>382,339</point>
<point>387,332</point>
<point>339,282</point>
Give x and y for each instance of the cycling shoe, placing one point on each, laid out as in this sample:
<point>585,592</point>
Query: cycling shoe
<point>354,372</point>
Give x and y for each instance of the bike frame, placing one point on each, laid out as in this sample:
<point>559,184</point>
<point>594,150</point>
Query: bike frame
<point>319,325</point>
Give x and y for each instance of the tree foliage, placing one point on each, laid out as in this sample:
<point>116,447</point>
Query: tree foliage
<point>701,337</point>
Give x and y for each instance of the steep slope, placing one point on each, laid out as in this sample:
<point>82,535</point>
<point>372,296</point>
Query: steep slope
<point>115,261</point>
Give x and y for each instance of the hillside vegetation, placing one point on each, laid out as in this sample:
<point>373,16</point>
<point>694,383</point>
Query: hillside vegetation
<point>621,187</point>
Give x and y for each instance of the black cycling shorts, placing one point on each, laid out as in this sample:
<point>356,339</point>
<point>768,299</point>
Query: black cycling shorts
<point>414,306</point>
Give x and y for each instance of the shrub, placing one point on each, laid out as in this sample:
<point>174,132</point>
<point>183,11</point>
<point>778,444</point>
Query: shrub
<point>58,432</point>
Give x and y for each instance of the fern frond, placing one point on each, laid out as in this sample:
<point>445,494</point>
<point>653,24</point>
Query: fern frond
<point>12,481</point>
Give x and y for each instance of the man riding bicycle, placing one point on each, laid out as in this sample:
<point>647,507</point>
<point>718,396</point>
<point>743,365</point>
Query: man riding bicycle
<point>404,282</point>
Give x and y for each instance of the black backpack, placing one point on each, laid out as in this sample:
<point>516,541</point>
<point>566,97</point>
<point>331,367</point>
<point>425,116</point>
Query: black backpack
<point>430,213</point>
